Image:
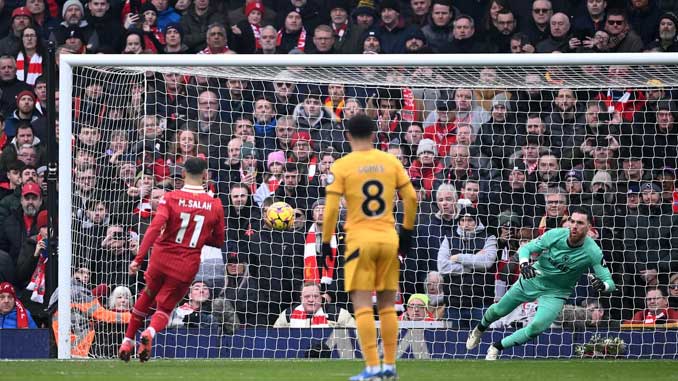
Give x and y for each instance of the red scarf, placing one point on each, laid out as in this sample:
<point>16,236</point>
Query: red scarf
<point>256,29</point>
<point>340,31</point>
<point>301,41</point>
<point>299,318</point>
<point>409,108</point>
<point>312,272</point>
<point>208,50</point>
<point>675,201</point>
<point>338,110</point>
<point>21,313</point>
<point>37,284</point>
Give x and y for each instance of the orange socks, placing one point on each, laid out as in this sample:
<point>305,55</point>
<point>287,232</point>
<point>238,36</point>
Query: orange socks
<point>389,334</point>
<point>367,333</point>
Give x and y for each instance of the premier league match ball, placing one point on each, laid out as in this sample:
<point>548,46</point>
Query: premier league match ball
<point>280,216</point>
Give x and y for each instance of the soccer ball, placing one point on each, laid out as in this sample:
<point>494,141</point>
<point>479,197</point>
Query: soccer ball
<point>280,216</point>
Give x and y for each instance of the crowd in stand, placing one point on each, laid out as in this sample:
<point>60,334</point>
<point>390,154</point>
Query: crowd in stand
<point>494,167</point>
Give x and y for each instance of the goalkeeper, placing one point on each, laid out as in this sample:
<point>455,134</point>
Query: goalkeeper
<point>565,253</point>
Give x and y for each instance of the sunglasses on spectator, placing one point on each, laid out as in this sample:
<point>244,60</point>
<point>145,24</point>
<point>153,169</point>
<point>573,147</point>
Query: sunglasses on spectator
<point>615,22</point>
<point>299,215</point>
<point>674,286</point>
<point>541,10</point>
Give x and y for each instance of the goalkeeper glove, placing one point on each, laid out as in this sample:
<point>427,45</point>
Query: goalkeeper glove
<point>597,284</point>
<point>405,243</point>
<point>527,271</point>
<point>326,255</point>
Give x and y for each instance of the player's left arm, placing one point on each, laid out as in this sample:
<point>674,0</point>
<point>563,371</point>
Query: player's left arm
<point>219,232</point>
<point>602,274</point>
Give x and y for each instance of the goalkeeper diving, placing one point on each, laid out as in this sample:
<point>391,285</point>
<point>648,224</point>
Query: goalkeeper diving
<point>564,255</point>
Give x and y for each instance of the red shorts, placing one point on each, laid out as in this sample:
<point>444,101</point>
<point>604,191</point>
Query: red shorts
<point>168,291</point>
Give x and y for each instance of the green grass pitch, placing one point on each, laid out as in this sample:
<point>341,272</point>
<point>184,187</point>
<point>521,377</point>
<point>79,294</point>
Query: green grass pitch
<point>330,370</point>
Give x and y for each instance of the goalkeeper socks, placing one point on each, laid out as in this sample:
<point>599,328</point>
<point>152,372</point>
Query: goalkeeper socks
<point>389,333</point>
<point>481,327</point>
<point>498,345</point>
<point>367,333</point>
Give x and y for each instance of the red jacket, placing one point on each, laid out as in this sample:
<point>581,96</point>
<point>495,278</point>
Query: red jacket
<point>444,136</point>
<point>424,175</point>
<point>647,317</point>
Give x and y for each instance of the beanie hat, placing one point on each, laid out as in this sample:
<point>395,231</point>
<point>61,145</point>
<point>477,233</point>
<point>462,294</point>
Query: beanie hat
<point>421,297</point>
<point>148,6</point>
<point>254,6</point>
<point>334,4</point>
<point>501,99</point>
<point>300,136</point>
<point>426,145</point>
<point>41,220</point>
<point>21,11</point>
<point>468,211</point>
<point>602,177</point>
<point>392,4</point>
<point>671,16</point>
<point>651,186</point>
<point>23,94</point>
<point>69,3</point>
<point>176,26</point>
<point>7,288</point>
<point>275,157</point>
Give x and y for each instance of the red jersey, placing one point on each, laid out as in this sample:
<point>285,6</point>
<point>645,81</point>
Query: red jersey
<point>186,220</point>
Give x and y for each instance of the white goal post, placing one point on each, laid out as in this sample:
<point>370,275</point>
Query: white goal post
<point>455,71</point>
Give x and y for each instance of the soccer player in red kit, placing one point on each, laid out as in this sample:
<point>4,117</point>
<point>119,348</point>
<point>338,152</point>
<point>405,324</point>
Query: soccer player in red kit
<point>186,220</point>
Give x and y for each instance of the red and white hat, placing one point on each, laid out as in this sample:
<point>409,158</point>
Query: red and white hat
<point>254,6</point>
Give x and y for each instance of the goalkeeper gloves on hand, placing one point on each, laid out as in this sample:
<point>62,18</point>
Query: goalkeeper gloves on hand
<point>597,284</point>
<point>326,255</point>
<point>405,243</point>
<point>527,271</point>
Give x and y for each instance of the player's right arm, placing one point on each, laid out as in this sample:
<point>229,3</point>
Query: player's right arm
<point>537,245</point>
<point>152,233</point>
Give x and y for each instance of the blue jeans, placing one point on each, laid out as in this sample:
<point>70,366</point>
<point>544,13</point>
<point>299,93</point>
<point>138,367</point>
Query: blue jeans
<point>463,317</point>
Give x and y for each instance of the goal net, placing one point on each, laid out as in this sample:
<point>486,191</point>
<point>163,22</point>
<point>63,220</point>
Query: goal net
<point>500,149</point>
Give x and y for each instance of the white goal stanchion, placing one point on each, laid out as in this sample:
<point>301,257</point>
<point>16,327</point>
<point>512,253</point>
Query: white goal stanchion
<point>517,140</point>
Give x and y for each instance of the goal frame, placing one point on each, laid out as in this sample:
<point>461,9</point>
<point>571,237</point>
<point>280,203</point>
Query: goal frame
<point>69,62</point>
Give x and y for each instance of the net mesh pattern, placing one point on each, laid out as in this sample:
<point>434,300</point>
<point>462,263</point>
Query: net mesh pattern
<point>519,146</point>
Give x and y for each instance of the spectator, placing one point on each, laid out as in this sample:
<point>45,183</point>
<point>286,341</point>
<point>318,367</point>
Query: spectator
<point>364,16</point>
<point>520,43</point>
<point>536,26</point>
<point>174,39</point>
<point>438,30</point>
<point>505,28</point>
<point>293,190</point>
<point>185,145</point>
<point>420,12</point>
<point>418,309</point>
<point>589,315</point>
<point>323,40</point>
<point>556,211</point>
<point>30,57</point>
<point>24,136</point>
<point>673,291</point>
<point>559,39</point>
<point>10,85</point>
<point>464,37</point>
<point>498,134</point>
<point>466,260</point>
<point>312,313</point>
<point>104,23</point>
<point>468,111</point>
<point>86,310</point>
<point>656,310</point>
<point>247,32</point>
<point>115,251</point>
<point>241,290</point>
<point>371,43</point>
<point>566,123</point>
<point>43,19</point>
<point>622,37</point>
<point>533,101</point>
<point>272,177</point>
<point>292,35</point>
<point>21,223</point>
<point>13,314</point>
<point>166,14</point>
<point>660,145</point>
<point>315,118</point>
<point>197,23</point>
<point>392,29</point>
<point>423,170</point>
<point>268,40</point>
<point>241,215</point>
<point>73,14</point>
<point>347,32</point>
<point>197,311</point>
<point>643,17</point>
<point>667,41</point>
<point>217,40</point>
<point>109,334</point>
<point>592,20</point>
<point>443,132</point>
<point>10,44</point>
<point>435,294</point>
